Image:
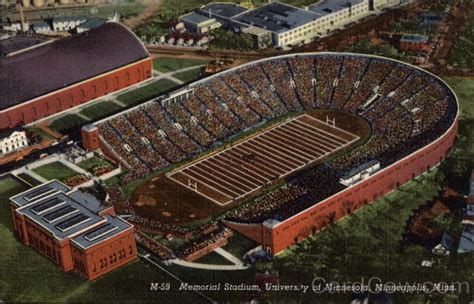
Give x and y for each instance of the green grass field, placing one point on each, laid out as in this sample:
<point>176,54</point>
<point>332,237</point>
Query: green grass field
<point>68,122</point>
<point>146,92</point>
<point>239,245</point>
<point>213,258</point>
<point>166,65</point>
<point>55,170</point>
<point>29,179</point>
<point>188,76</point>
<point>100,109</point>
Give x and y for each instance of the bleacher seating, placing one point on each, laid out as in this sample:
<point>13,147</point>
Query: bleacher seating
<point>412,108</point>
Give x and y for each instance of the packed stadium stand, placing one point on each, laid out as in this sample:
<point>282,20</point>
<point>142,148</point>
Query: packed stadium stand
<point>412,115</point>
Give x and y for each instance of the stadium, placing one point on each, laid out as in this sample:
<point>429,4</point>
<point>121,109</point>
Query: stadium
<point>61,74</point>
<point>279,148</point>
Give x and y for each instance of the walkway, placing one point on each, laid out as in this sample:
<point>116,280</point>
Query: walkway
<point>170,75</point>
<point>207,266</point>
<point>238,264</point>
<point>228,256</point>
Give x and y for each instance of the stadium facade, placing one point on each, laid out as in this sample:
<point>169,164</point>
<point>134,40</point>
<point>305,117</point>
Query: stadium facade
<point>72,229</point>
<point>57,76</point>
<point>413,115</point>
<point>276,236</point>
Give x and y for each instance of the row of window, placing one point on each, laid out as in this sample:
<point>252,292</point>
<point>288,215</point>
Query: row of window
<point>44,248</point>
<point>113,258</point>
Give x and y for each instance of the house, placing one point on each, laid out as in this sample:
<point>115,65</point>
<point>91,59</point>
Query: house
<point>67,23</point>
<point>12,141</point>
<point>41,27</point>
<point>414,42</point>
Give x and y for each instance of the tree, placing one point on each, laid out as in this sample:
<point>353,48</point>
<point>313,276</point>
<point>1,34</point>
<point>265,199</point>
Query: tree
<point>226,39</point>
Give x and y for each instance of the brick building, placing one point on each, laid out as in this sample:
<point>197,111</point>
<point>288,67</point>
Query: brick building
<point>63,74</point>
<point>72,229</point>
<point>415,43</point>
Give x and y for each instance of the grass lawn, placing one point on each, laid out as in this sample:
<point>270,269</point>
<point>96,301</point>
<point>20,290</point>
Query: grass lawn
<point>188,76</point>
<point>239,245</point>
<point>68,122</point>
<point>90,163</point>
<point>100,109</point>
<point>213,258</point>
<point>166,65</point>
<point>29,179</point>
<point>40,133</point>
<point>146,92</point>
<point>55,170</point>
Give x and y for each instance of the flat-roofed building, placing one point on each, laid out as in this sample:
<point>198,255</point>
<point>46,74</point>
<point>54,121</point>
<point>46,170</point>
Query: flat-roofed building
<point>289,25</point>
<point>198,23</point>
<point>335,13</point>
<point>73,229</point>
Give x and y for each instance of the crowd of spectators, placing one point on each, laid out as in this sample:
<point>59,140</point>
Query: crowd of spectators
<point>153,246</point>
<point>161,228</point>
<point>408,108</point>
<point>297,194</point>
<point>203,242</point>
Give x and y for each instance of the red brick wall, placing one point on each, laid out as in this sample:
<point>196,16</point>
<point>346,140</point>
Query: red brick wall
<point>252,231</point>
<point>106,256</point>
<point>44,243</point>
<point>90,139</point>
<point>202,252</point>
<point>75,95</point>
<point>407,46</point>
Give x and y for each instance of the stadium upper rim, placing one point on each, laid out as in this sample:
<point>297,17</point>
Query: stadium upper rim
<point>203,80</point>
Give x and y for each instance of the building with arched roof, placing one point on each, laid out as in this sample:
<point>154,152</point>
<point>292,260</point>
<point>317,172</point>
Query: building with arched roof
<point>54,77</point>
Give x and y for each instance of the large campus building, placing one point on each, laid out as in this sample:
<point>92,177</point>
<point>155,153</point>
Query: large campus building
<point>326,167</point>
<point>72,229</point>
<point>60,75</point>
<point>282,24</point>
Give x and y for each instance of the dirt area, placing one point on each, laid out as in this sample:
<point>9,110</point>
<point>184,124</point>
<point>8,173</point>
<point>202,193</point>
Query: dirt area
<point>152,7</point>
<point>168,201</point>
